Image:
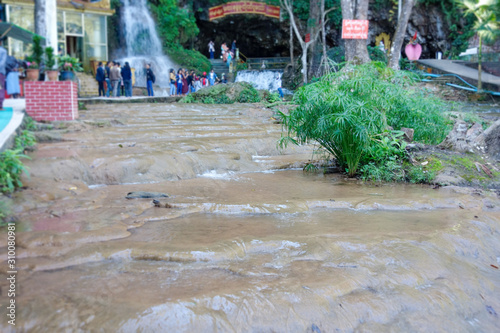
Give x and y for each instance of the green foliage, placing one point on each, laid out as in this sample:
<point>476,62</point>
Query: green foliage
<point>337,55</point>
<point>249,95</point>
<point>376,54</point>
<point>11,166</point>
<point>25,139</point>
<point>50,59</point>
<point>176,24</point>
<point>387,160</point>
<point>273,97</point>
<point>348,111</point>
<point>68,63</point>
<point>190,59</point>
<point>4,212</point>
<point>11,169</point>
<point>37,49</point>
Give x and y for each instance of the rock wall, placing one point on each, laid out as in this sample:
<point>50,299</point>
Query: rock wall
<point>259,36</point>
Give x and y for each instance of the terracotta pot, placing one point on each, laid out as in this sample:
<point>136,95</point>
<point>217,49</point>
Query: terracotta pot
<point>32,74</point>
<point>52,75</point>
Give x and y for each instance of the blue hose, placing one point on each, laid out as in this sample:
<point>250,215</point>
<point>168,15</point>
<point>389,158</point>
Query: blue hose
<point>470,88</point>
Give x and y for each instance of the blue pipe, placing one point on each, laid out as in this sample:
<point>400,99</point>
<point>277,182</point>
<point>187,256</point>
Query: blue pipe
<point>472,88</point>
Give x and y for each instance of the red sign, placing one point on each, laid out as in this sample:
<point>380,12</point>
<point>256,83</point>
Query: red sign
<point>355,29</point>
<point>308,38</point>
<point>243,7</point>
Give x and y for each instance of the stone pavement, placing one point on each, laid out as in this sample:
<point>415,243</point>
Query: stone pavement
<point>8,133</point>
<point>490,82</point>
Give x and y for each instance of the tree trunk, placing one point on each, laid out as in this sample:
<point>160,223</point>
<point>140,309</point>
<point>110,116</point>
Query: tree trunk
<point>355,49</point>
<point>399,35</point>
<point>40,15</point>
<point>292,60</point>
<point>479,65</point>
<point>305,46</point>
<point>312,28</point>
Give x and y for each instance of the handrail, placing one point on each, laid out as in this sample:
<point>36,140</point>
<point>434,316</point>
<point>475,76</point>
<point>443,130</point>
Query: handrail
<point>244,56</point>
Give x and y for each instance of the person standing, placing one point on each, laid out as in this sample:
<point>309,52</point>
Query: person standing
<point>114,77</point>
<point>119,92</point>
<point>100,76</point>
<point>189,81</point>
<point>179,82</point>
<point>109,86</point>
<point>3,62</point>
<point>233,47</point>
<point>172,82</point>
<point>12,80</point>
<point>150,79</point>
<point>211,49</point>
<point>127,79</point>
<point>211,77</point>
<point>185,88</point>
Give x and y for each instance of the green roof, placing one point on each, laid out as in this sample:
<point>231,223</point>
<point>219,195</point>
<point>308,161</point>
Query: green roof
<point>16,32</point>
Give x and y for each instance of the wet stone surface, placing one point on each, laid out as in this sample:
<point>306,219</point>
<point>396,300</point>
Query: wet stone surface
<point>245,241</point>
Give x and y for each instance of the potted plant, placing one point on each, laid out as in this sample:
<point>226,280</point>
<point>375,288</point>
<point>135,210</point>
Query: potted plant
<point>68,65</point>
<point>50,62</point>
<point>34,61</point>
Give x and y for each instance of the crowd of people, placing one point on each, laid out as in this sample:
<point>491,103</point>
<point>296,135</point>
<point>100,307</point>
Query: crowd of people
<point>184,82</point>
<point>116,81</point>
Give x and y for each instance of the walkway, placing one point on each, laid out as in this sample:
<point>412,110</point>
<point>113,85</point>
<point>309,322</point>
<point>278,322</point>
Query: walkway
<point>459,68</point>
<point>15,109</point>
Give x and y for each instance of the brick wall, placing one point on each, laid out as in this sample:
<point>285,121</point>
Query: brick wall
<point>51,101</point>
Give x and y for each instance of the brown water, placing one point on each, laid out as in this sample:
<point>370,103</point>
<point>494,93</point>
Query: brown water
<point>249,244</point>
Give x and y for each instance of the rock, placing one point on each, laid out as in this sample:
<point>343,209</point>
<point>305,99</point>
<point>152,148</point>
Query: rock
<point>489,140</point>
<point>48,136</point>
<point>462,138</point>
<point>145,195</point>
<point>408,136</point>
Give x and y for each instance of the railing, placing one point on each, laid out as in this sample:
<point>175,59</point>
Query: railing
<point>268,63</point>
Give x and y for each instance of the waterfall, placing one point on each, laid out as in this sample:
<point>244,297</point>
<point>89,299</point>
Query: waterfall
<point>144,45</point>
<point>262,80</point>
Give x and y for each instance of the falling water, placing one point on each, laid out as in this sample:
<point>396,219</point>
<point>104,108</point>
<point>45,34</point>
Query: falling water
<point>263,80</point>
<point>143,44</point>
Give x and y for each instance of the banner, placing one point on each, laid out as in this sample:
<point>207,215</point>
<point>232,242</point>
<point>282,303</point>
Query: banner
<point>243,7</point>
<point>354,29</point>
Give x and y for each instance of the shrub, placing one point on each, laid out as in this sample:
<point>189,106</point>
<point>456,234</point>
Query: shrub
<point>348,112</point>
<point>11,169</point>
<point>190,59</point>
<point>249,95</point>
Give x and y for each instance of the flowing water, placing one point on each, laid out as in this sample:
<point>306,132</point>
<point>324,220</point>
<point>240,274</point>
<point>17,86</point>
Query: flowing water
<point>143,45</point>
<point>248,243</point>
<point>263,80</point>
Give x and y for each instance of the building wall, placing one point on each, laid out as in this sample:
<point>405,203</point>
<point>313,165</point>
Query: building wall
<point>85,24</point>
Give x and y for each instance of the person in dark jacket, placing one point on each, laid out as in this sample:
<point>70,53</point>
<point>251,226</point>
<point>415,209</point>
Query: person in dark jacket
<point>150,78</point>
<point>109,88</point>
<point>100,76</point>
<point>127,79</point>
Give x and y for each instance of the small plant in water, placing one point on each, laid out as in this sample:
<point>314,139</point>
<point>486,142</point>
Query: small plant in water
<point>347,113</point>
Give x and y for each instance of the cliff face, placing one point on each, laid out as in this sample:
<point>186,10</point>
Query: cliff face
<point>260,36</point>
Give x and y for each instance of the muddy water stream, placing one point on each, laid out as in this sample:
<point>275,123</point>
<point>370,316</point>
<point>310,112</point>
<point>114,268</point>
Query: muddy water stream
<point>248,243</point>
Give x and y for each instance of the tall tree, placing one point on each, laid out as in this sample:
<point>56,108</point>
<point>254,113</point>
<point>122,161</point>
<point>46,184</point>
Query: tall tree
<point>355,49</point>
<point>399,35</point>
<point>287,4</point>
<point>486,26</point>
<point>40,18</point>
